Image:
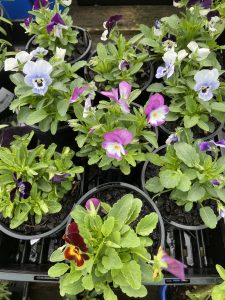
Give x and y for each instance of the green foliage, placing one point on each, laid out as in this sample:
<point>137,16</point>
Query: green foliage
<point>186,173</point>
<point>117,250</point>
<point>5,294</point>
<point>37,166</point>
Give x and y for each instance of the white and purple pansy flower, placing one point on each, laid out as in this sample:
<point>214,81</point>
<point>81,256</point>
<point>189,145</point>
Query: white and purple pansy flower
<point>169,42</point>
<point>22,187</point>
<point>77,92</point>
<point>213,18</point>
<point>38,75</point>
<point>124,65</point>
<point>56,24</point>
<point>169,58</point>
<point>115,141</point>
<point>108,26</point>
<point>39,51</point>
<point>172,139</point>
<point>120,95</point>
<point>157,28</point>
<point>156,110</point>
<point>207,146</point>
<point>58,178</point>
<point>206,82</point>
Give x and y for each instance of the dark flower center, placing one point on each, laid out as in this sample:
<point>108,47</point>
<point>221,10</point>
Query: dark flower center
<point>205,89</point>
<point>39,82</point>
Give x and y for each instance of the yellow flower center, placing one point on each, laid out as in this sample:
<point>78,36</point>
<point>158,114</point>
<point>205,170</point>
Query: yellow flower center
<point>155,114</point>
<point>116,147</point>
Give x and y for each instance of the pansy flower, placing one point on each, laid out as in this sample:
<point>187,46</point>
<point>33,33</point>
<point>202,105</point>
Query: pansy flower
<point>87,107</point>
<point>121,95</point>
<point>38,75</point>
<point>92,202</point>
<point>124,65</point>
<point>156,110</point>
<point>56,24</point>
<point>77,92</point>
<point>172,139</point>
<point>157,28</point>
<point>169,58</point>
<point>198,53</point>
<point>222,212</point>
<point>76,248</point>
<point>207,146</point>
<point>58,178</point>
<point>169,42</point>
<point>39,4</point>
<point>206,4</point>
<point>173,266</point>
<point>12,63</point>
<point>27,21</point>
<point>39,51</point>
<point>115,141</point>
<point>213,18</point>
<point>206,82</point>
<point>108,26</point>
<point>22,187</point>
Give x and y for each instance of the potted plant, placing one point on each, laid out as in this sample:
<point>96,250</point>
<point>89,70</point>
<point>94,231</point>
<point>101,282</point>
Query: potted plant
<point>52,29</point>
<point>38,188</point>
<point>188,183</point>
<point>45,91</point>
<point>118,60</point>
<point>107,248</point>
<point>117,134</point>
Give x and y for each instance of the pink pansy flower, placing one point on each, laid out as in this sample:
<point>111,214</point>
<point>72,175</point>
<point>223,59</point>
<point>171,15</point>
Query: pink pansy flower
<point>120,95</point>
<point>77,92</point>
<point>92,202</point>
<point>155,110</point>
<point>115,141</point>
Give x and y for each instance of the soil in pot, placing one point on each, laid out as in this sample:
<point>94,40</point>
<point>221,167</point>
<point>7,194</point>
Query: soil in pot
<point>81,49</point>
<point>49,221</point>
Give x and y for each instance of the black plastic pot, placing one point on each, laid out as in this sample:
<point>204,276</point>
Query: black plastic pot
<point>125,2</point>
<point>113,191</point>
<point>160,200</point>
<point>80,54</point>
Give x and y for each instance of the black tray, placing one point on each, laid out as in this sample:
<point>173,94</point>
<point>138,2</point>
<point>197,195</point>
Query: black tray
<point>125,2</point>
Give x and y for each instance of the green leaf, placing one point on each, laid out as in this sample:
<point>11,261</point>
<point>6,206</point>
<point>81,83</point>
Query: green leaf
<point>130,240</point>
<point>219,106</point>
<point>109,294</point>
<point>169,179</point>
<point>57,255</point>
<point>88,282</point>
<point>190,121</point>
<point>58,270</point>
<point>147,224</point>
<point>111,260</point>
<point>62,107</point>
<point>36,117</point>
<point>155,159</point>
<point>154,185</point>
<point>135,211</point>
<point>132,272</point>
<point>107,226</point>
<point>221,271</point>
<point>137,293</point>
<point>184,184</point>
<point>150,138</point>
<point>208,217</point>
<point>155,88</point>
<point>81,139</point>
<point>187,154</point>
<point>196,193</point>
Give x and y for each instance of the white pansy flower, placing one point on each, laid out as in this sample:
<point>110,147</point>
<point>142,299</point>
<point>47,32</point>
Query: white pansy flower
<point>198,53</point>
<point>182,54</point>
<point>66,2</point>
<point>12,64</point>
<point>60,53</point>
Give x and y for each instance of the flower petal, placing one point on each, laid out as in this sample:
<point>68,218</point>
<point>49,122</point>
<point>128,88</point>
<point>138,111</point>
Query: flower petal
<point>125,90</point>
<point>112,95</point>
<point>154,102</point>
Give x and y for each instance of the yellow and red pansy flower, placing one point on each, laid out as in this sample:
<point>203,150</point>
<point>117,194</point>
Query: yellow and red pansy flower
<point>76,248</point>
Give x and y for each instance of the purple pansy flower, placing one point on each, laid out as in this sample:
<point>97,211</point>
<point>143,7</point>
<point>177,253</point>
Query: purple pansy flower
<point>215,182</point>
<point>204,146</point>
<point>206,82</point>
<point>124,91</point>
<point>124,65</point>
<point>115,141</point>
<point>169,58</point>
<point>220,143</point>
<point>206,4</point>
<point>77,92</point>
<point>108,25</point>
<point>27,21</point>
<point>96,203</point>
<point>155,110</point>
<point>39,4</point>
<point>172,139</point>
<point>57,24</point>
<point>23,187</point>
<point>58,178</point>
<point>37,75</point>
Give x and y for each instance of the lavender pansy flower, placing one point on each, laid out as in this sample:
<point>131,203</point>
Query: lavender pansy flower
<point>58,178</point>
<point>155,110</point>
<point>38,75</point>
<point>172,139</point>
<point>39,51</point>
<point>157,28</point>
<point>220,143</point>
<point>204,146</point>
<point>115,141</point>
<point>57,24</point>
<point>169,58</point>
<point>169,42</point>
<point>108,25</point>
<point>124,65</point>
<point>206,82</point>
<point>215,182</point>
<point>124,91</point>
<point>92,202</point>
<point>77,92</point>
<point>213,18</point>
<point>39,4</point>
<point>27,21</point>
<point>23,187</point>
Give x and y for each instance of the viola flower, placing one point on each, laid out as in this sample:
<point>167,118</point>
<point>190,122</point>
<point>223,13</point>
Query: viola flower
<point>157,28</point>
<point>222,212</point>
<point>206,4</point>
<point>206,82</point>
<point>215,182</point>
<point>169,58</point>
<point>39,51</point>
<point>124,91</point>
<point>204,146</point>
<point>23,187</point>
<point>92,202</point>
<point>76,248</point>
<point>124,65</point>
<point>181,55</point>
<point>66,2</point>
<point>155,110</point>
<point>172,139</point>
<point>213,18</point>
<point>169,42</point>
<point>57,24</point>
<point>115,141</point>
<point>108,25</point>
<point>27,21</point>
<point>37,75</point>
<point>174,266</point>
<point>87,107</point>
<point>38,4</point>
<point>198,53</point>
<point>12,64</point>
<point>77,92</point>
<point>58,178</point>
<point>60,53</point>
